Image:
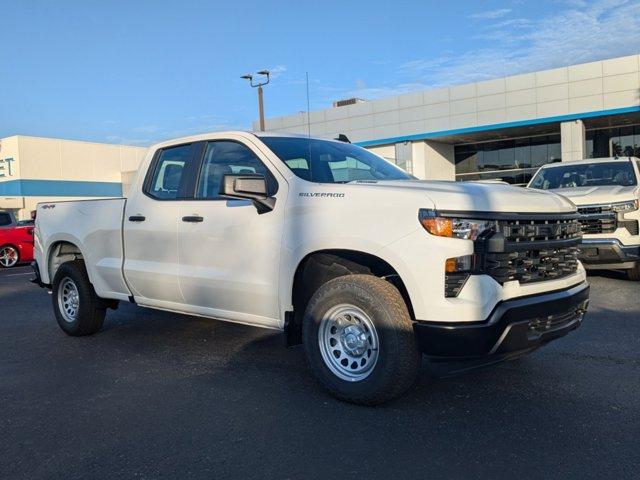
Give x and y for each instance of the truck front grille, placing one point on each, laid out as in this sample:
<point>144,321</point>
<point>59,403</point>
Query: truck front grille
<point>532,265</point>
<point>530,249</point>
<point>597,219</point>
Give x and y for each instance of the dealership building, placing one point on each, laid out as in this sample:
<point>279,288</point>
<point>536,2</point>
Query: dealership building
<point>503,128</point>
<point>34,169</point>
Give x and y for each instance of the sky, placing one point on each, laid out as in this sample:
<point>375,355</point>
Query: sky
<point>137,72</point>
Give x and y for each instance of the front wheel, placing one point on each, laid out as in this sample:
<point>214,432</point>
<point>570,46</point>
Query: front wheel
<point>9,256</point>
<point>359,339</point>
<point>75,302</point>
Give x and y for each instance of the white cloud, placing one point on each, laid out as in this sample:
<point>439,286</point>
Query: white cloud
<point>491,14</point>
<point>574,34</point>
<point>277,71</point>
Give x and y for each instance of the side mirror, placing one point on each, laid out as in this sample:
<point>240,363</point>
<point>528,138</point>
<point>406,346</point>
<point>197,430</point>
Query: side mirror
<point>250,187</point>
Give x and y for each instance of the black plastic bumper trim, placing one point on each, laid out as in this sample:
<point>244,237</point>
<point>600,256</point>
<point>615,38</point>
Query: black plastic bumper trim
<point>508,329</point>
<point>608,251</point>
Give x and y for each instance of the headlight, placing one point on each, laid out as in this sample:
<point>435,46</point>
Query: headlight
<point>465,228</point>
<point>624,207</point>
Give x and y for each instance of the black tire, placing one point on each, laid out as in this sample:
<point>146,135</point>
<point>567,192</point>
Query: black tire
<point>634,273</point>
<point>17,255</point>
<point>88,317</point>
<point>398,358</point>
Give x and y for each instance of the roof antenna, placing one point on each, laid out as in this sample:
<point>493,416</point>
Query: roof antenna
<point>308,113</point>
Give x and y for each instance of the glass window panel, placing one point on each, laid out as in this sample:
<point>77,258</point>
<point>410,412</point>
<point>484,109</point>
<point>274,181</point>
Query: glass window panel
<point>507,155</point>
<point>229,158</point>
<point>554,153</point>
<point>522,153</point>
<point>168,172</point>
<point>466,161</point>
<point>490,158</point>
<point>538,151</point>
<point>626,141</point>
<point>589,136</point>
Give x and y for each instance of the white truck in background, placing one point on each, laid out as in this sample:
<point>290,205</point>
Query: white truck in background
<point>366,266</point>
<point>607,194</point>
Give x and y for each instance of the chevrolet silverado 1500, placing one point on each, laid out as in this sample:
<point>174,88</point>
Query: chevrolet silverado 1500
<point>607,194</point>
<point>349,255</point>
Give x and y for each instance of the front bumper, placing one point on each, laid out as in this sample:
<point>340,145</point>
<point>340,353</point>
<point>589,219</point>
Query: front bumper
<point>607,253</point>
<point>514,327</point>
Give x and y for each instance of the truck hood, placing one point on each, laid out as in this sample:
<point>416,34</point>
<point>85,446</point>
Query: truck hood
<point>597,195</point>
<point>481,197</point>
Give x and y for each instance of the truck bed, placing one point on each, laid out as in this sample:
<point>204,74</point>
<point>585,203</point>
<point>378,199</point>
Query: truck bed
<point>95,226</point>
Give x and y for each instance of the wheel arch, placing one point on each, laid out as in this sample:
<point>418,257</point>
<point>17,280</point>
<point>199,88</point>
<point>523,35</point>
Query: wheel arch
<point>59,252</point>
<point>318,267</point>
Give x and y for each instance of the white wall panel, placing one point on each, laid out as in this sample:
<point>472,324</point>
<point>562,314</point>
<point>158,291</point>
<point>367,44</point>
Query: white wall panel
<point>491,102</point>
<point>463,121</point>
<point>551,77</point>
<point>552,109</point>
<point>463,106</point>
<point>520,82</point>
<point>521,97</point>
<point>437,110</point>
<point>617,66</point>
<point>585,71</point>
<point>586,104</point>
<point>583,88</point>
<point>619,83</point>
<point>437,95</point>
<point>460,92</point>
<point>621,99</point>
<point>489,117</point>
<point>552,92</point>
<point>491,87</point>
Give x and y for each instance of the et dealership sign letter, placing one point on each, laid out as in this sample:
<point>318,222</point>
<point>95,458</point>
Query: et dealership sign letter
<point>5,167</point>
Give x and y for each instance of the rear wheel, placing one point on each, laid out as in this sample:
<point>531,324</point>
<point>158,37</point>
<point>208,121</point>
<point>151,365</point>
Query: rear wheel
<point>75,302</point>
<point>9,256</point>
<point>359,339</point>
<point>634,273</point>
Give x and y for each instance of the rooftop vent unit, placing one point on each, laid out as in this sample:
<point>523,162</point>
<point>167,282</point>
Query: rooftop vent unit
<point>348,101</point>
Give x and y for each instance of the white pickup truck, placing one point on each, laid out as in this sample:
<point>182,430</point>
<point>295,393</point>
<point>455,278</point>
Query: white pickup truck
<point>607,194</point>
<point>348,254</point>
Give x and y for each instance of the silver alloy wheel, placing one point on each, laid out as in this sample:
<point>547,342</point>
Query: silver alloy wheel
<point>348,342</point>
<point>8,256</point>
<point>68,299</point>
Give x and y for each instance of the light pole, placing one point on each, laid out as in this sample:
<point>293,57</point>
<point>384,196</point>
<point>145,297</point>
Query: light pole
<point>259,86</point>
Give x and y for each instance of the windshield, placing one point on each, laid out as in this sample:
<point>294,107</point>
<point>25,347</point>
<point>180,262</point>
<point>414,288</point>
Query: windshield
<point>324,161</point>
<point>585,175</point>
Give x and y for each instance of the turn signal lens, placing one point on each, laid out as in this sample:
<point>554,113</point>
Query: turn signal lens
<point>459,264</point>
<point>450,265</point>
<point>442,227</point>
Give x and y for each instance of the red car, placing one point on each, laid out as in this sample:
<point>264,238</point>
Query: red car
<point>16,241</point>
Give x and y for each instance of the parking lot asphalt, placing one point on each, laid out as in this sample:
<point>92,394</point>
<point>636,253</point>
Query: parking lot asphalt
<point>157,395</point>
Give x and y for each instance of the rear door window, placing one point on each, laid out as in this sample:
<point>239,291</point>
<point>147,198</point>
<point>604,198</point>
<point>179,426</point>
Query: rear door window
<point>169,177</point>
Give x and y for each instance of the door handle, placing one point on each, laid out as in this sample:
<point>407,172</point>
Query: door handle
<point>193,219</point>
<point>137,218</point>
